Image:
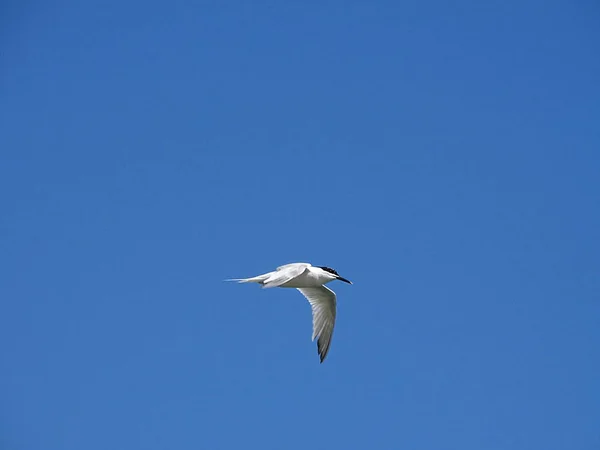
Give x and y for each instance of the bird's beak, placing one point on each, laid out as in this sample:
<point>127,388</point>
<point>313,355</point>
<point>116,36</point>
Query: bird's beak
<point>344,280</point>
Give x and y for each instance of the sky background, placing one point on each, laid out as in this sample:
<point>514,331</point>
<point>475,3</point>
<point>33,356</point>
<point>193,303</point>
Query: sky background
<point>445,157</point>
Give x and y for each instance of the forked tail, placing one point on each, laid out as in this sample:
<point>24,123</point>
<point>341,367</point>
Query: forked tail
<point>260,279</point>
<point>239,280</point>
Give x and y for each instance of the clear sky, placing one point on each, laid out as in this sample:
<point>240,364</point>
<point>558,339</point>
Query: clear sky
<point>444,156</point>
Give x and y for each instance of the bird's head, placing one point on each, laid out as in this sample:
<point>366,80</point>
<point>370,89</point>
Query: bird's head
<point>334,274</point>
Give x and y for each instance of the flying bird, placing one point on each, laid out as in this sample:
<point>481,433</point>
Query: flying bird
<point>310,281</point>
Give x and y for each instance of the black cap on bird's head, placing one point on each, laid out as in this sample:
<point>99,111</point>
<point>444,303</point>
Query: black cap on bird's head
<point>333,272</point>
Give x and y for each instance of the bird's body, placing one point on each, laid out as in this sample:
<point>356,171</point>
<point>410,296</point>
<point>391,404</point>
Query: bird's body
<point>310,281</point>
<point>296,275</point>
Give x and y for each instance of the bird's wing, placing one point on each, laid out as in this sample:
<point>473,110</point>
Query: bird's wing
<point>284,274</point>
<point>322,301</point>
<point>285,266</point>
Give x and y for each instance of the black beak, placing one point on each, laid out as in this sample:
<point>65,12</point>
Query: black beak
<point>344,280</point>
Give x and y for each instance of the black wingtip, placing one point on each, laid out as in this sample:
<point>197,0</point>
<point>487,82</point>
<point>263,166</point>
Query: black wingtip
<point>322,352</point>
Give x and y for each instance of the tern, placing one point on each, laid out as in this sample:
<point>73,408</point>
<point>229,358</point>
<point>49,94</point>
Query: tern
<point>310,281</point>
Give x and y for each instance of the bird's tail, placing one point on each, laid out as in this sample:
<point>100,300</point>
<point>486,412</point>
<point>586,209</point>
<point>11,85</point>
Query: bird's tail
<point>260,279</point>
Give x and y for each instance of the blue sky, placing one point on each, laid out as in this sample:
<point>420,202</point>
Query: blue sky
<point>445,157</point>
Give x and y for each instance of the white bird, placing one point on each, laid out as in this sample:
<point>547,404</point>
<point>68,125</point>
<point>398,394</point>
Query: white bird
<point>310,281</point>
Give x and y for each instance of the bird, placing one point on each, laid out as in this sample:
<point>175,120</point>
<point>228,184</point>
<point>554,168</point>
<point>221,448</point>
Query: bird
<point>310,281</point>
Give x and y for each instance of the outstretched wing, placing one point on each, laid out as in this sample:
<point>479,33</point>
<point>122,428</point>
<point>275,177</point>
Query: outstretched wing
<point>283,274</point>
<point>323,303</point>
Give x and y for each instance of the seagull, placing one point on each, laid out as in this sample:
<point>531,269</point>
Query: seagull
<point>310,281</point>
